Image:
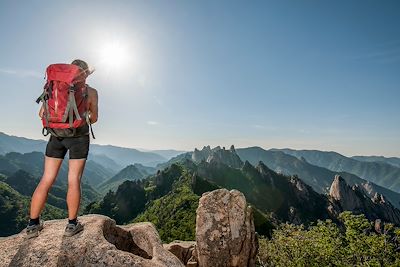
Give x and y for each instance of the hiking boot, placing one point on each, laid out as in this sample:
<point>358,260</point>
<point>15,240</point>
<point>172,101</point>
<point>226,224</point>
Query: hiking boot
<point>33,230</point>
<point>72,229</point>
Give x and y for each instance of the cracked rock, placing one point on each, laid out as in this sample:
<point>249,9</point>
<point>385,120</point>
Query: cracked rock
<point>225,234</point>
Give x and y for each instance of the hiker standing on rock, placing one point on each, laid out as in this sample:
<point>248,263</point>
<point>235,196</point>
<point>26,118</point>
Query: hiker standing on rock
<point>68,110</point>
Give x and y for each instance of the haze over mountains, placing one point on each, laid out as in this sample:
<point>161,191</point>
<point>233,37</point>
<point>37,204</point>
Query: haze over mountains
<point>392,160</point>
<point>112,157</point>
<point>131,172</point>
<point>283,185</point>
<point>318,177</point>
<point>380,172</point>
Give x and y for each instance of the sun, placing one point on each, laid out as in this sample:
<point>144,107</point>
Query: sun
<point>118,57</point>
<point>114,55</point>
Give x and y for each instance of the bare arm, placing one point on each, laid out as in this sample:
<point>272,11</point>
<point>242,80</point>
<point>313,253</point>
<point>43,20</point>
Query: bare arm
<point>93,105</point>
<point>41,111</point>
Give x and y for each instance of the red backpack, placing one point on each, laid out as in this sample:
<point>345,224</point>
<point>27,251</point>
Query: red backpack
<point>64,98</point>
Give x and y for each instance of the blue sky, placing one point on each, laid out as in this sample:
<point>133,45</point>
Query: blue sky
<point>299,74</point>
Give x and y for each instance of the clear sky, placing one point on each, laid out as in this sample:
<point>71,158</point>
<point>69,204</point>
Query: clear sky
<point>300,74</point>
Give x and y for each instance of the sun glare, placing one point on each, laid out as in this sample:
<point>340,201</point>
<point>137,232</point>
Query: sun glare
<point>118,58</point>
<point>114,55</point>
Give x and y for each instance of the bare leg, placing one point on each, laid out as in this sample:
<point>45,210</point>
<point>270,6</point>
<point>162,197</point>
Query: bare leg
<point>39,197</point>
<point>75,171</point>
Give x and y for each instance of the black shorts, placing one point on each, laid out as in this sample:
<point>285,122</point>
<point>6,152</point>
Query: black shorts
<point>78,147</point>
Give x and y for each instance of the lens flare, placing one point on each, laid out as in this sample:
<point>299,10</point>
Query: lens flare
<point>114,55</point>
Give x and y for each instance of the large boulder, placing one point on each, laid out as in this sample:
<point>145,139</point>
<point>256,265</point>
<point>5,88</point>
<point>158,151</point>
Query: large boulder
<point>225,234</point>
<point>101,243</point>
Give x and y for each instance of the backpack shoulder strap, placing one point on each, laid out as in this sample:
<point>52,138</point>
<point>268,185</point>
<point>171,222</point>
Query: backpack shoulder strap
<point>71,108</point>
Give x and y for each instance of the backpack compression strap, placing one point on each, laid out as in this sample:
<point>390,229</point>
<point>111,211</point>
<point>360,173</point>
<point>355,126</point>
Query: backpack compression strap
<point>71,108</point>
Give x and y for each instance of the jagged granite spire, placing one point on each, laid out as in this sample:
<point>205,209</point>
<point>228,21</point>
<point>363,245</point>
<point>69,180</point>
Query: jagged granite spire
<point>355,200</point>
<point>263,169</point>
<point>344,194</point>
<point>232,149</point>
<point>218,155</point>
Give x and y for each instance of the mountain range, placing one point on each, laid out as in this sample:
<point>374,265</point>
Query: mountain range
<point>111,157</point>
<point>319,178</point>
<point>379,172</point>
<point>392,160</point>
<point>130,172</point>
<point>14,208</point>
<point>23,171</point>
<point>169,198</point>
<point>282,185</point>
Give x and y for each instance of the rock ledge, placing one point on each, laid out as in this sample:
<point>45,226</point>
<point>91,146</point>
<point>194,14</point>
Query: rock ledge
<point>101,243</point>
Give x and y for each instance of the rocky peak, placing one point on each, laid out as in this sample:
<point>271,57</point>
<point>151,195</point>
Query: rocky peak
<point>200,155</point>
<point>266,173</point>
<point>355,199</point>
<point>376,198</point>
<point>247,166</point>
<point>262,168</point>
<point>301,189</point>
<point>386,210</point>
<point>344,194</point>
<point>380,199</point>
<point>300,185</point>
<point>338,186</point>
<point>218,155</point>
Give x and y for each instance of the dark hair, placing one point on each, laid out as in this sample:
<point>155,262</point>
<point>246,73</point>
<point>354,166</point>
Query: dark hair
<point>82,64</point>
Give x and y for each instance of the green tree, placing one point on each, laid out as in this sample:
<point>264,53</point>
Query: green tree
<point>355,243</point>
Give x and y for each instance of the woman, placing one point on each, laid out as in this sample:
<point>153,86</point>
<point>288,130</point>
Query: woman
<point>57,147</point>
